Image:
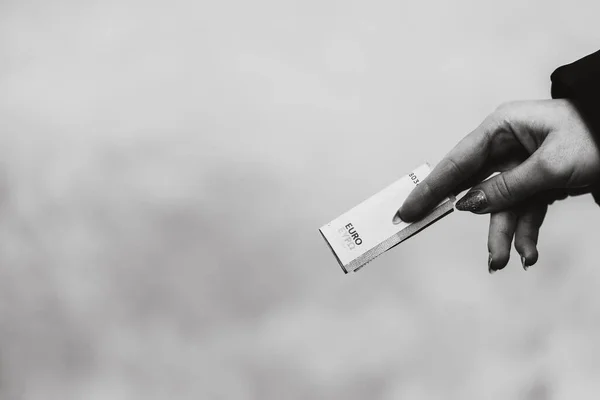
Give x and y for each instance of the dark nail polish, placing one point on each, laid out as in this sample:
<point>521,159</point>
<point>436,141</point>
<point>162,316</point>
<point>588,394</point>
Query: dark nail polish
<point>524,263</point>
<point>474,201</point>
<point>490,270</point>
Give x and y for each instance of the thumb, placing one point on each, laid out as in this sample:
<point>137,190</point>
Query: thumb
<point>508,188</point>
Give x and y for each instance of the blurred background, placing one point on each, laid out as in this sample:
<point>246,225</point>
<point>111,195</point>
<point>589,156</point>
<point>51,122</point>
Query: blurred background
<point>165,166</point>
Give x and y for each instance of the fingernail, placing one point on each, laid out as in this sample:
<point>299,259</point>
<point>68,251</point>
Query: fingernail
<point>397,219</point>
<point>474,201</point>
<point>524,263</point>
<point>490,270</point>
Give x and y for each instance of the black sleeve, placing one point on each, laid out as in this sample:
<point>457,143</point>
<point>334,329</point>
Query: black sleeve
<point>580,83</point>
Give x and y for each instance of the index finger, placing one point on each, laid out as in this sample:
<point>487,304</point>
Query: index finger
<point>463,161</point>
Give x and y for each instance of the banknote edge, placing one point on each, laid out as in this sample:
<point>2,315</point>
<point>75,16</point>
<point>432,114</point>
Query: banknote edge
<point>333,251</point>
<point>438,213</point>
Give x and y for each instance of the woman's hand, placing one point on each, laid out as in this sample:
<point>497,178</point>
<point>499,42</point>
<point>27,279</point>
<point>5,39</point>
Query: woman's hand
<point>543,151</point>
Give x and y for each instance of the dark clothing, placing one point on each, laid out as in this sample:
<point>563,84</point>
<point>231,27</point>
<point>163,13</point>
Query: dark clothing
<point>580,83</point>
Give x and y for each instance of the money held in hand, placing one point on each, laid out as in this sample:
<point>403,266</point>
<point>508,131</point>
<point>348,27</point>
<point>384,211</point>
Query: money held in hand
<point>367,230</point>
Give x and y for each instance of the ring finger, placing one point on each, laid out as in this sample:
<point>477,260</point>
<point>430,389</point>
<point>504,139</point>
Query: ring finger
<point>502,230</point>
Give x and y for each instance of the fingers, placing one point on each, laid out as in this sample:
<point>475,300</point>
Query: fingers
<point>490,168</point>
<point>522,127</point>
<point>502,230</point>
<point>524,225</point>
<point>457,166</point>
<point>473,180</point>
<point>509,188</point>
<point>527,233</point>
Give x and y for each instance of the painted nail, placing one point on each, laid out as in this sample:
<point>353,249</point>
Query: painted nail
<point>524,263</point>
<point>474,201</point>
<point>397,219</point>
<point>490,270</point>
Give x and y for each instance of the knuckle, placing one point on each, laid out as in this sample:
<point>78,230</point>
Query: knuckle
<point>503,115</point>
<point>502,189</point>
<point>453,168</point>
<point>505,233</point>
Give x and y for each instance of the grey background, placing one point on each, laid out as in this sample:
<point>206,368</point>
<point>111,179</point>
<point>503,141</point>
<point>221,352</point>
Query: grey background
<point>165,167</point>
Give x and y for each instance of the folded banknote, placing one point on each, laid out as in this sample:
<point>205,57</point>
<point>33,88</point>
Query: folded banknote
<point>367,230</point>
